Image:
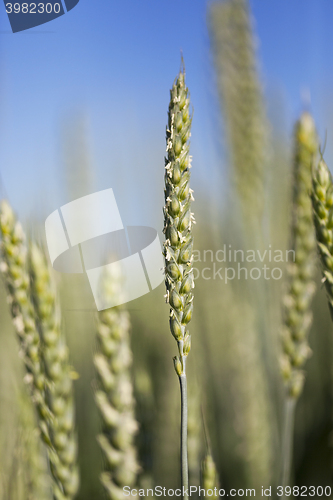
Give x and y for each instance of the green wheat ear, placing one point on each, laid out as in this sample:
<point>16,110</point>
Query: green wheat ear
<point>36,319</point>
<point>58,376</point>
<point>209,478</point>
<point>322,203</point>
<point>242,99</point>
<point>14,268</point>
<point>301,287</point>
<point>178,220</point>
<point>114,396</point>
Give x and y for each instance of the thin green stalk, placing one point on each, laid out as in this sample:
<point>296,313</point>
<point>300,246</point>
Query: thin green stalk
<point>184,459</point>
<point>287,441</point>
<point>178,244</point>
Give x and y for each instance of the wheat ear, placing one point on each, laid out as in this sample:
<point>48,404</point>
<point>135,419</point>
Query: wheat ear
<point>114,396</point>
<point>209,478</point>
<point>301,287</point>
<point>58,376</point>
<point>178,245</point>
<point>15,268</point>
<point>242,99</point>
<point>322,203</point>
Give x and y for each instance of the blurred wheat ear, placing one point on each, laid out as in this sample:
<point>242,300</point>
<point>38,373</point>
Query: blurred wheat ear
<point>322,203</point>
<point>14,268</point>
<point>114,396</point>
<point>209,478</point>
<point>301,287</point>
<point>242,104</point>
<point>178,244</point>
<point>47,385</point>
<point>58,376</point>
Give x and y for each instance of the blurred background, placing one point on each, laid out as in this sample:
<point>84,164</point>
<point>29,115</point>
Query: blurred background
<point>84,103</point>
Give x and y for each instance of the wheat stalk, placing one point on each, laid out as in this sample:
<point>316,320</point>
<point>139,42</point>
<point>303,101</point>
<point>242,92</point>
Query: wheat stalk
<point>178,245</point>
<point>301,287</point>
<point>58,376</point>
<point>114,396</point>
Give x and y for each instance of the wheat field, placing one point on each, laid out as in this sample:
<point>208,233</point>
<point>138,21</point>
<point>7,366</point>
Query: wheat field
<point>90,404</point>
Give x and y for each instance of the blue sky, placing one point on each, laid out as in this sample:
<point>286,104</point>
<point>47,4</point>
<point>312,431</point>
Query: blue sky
<point>115,62</point>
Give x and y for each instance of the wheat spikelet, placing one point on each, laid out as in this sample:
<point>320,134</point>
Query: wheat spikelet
<point>114,396</point>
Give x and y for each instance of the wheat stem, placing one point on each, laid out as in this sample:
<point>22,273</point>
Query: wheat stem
<point>183,436</point>
<point>183,425</point>
<point>287,441</point>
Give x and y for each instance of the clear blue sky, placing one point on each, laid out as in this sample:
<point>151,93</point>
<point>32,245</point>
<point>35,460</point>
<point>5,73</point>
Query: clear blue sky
<point>116,61</point>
